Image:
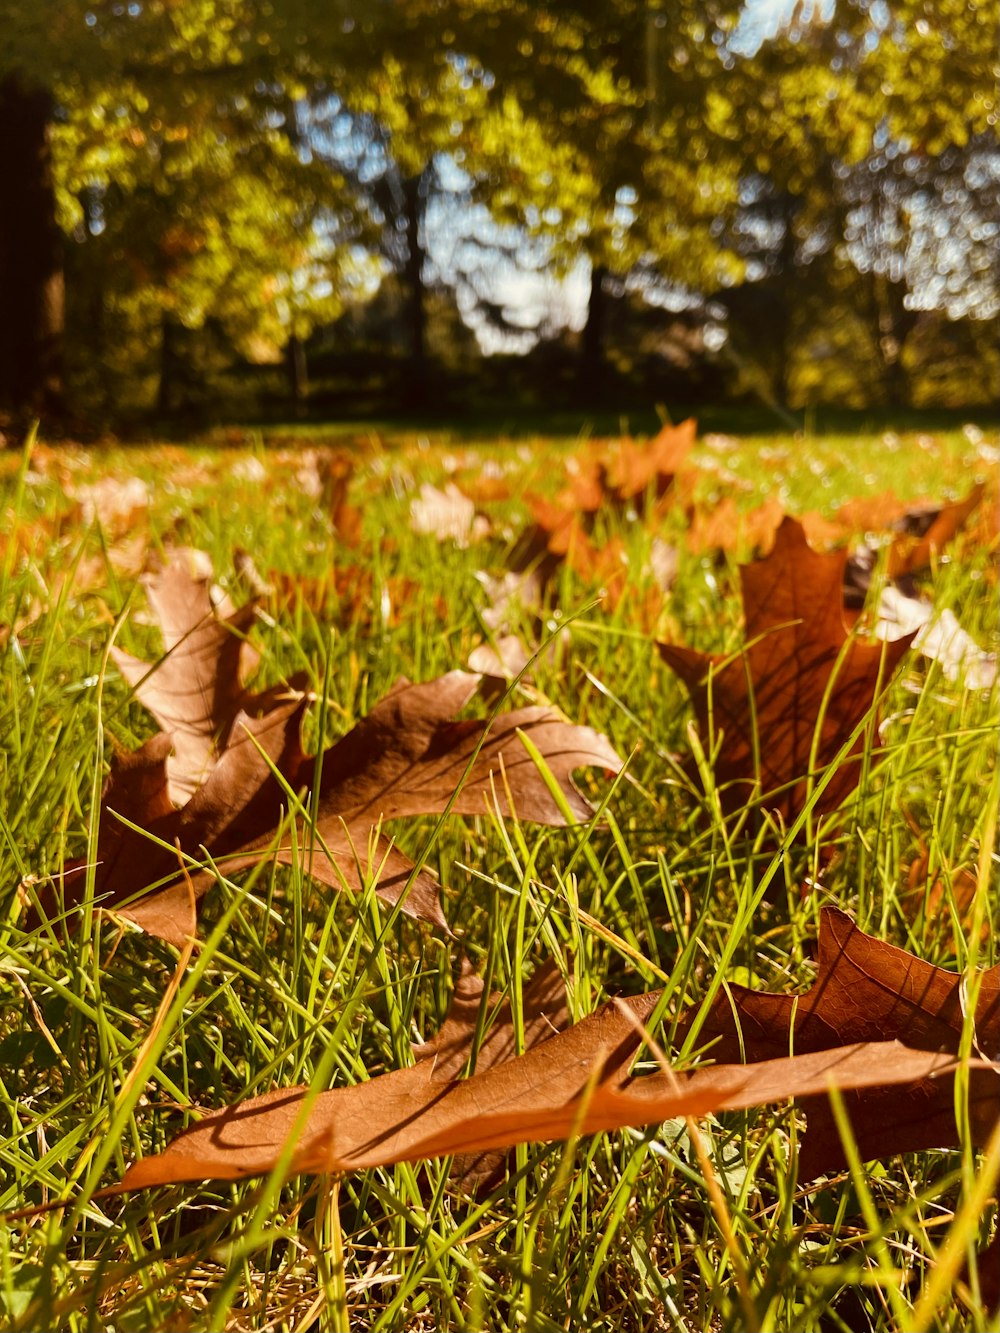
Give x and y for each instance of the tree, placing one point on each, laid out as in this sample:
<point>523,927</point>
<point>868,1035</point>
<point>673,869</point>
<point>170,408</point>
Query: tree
<point>117,104</point>
<point>863,187</point>
<point>618,159</point>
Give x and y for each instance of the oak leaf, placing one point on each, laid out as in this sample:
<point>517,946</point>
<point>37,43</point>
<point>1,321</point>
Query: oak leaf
<point>869,991</point>
<point>791,700</point>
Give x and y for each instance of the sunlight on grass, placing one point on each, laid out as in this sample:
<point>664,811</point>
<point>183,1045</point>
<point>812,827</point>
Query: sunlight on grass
<point>294,983</point>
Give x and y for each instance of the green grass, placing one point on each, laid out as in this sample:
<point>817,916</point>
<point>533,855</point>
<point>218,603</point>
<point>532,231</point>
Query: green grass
<point>295,984</point>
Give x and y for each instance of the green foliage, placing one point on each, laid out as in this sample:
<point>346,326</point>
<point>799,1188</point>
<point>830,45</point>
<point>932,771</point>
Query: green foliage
<point>639,136</point>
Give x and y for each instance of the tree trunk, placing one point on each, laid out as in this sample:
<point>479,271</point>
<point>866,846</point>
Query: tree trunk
<point>592,359</point>
<point>31,260</point>
<point>167,391</point>
<point>413,273</point>
<point>298,372</point>
<point>784,303</point>
<point>894,324</point>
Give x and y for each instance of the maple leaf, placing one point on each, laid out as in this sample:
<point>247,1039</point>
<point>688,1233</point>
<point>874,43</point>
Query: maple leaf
<point>573,1082</point>
<point>543,1012</point>
<point>725,526</point>
<point>868,991</point>
<point>919,534</point>
<point>603,477</point>
<point>196,690</point>
<point>638,468</point>
<point>407,757</point>
<point>800,674</point>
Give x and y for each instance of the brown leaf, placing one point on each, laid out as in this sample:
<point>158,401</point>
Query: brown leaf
<point>336,473</point>
<point>800,670</point>
<point>871,513</point>
<point>117,502</point>
<point>603,476</point>
<point>407,757</point>
<point>503,662</point>
<point>575,1082</point>
<point>543,1013</point>
<point>868,991</point>
<point>196,690</point>
<point>924,532</point>
<point>921,532</point>
<point>929,899</point>
<point>345,594</point>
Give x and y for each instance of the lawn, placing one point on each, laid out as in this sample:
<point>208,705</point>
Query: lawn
<point>112,1040</point>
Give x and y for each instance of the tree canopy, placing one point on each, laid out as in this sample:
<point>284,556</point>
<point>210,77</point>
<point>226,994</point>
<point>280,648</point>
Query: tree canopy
<point>821,199</point>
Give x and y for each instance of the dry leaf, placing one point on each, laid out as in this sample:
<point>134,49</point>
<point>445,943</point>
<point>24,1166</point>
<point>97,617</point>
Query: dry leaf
<point>936,635</point>
<point>636,469</point>
<point>920,534</point>
<point>934,899</point>
<point>800,671</point>
<point>725,527</point>
<point>407,757</point>
<point>503,661</point>
<point>448,515</point>
<point>924,532</point>
<point>336,471</point>
<point>116,503</point>
<point>869,991</point>
<point>575,1082</point>
<point>543,1013</point>
<point>196,690</point>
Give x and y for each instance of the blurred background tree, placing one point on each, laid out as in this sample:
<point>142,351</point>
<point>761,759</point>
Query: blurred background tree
<point>621,201</point>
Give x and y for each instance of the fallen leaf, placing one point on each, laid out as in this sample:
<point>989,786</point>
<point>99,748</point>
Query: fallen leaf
<point>336,473</point>
<point>800,673</point>
<point>871,513</point>
<point>932,900</point>
<point>407,757</point>
<point>937,635</point>
<point>726,527</point>
<point>196,690</point>
<point>575,1082</point>
<point>868,991</point>
<point>614,477</point>
<point>638,469</point>
<point>924,531</point>
<point>503,661</point>
<point>448,515</point>
<point>543,1011</point>
<point>117,503</point>
<point>919,534</point>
